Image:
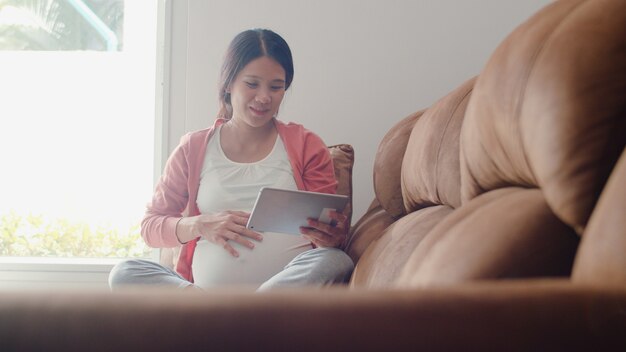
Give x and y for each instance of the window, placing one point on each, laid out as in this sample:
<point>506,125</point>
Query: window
<point>77,126</point>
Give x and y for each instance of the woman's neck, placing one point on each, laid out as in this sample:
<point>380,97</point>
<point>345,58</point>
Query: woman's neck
<point>244,143</point>
<point>244,132</point>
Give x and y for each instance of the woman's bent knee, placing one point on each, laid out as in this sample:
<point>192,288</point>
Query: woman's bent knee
<point>145,272</point>
<point>123,273</point>
<point>331,265</point>
<point>343,265</point>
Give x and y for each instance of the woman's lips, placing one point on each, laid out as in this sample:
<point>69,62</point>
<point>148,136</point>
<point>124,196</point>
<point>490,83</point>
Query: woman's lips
<point>259,111</point>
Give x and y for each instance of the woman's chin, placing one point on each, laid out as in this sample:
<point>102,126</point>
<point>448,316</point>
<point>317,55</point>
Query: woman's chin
<point>259,121</point>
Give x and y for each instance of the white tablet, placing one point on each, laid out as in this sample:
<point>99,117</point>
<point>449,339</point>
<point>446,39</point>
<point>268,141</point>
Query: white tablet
<point>285,211</point>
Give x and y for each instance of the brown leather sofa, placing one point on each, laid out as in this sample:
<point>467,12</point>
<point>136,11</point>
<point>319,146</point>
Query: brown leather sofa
<point>499,224</point>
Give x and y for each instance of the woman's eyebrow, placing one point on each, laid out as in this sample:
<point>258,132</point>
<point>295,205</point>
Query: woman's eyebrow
<point>278,80</point>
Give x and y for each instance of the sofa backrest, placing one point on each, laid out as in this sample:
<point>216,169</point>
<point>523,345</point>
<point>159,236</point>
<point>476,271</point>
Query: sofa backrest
<point>416,172</point>
<point>388,165</point>
<point>431,170</point>
<point>499,178</point>
<point>548,109</point>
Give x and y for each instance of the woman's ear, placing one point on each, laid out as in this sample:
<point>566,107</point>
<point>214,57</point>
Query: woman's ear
<point>227,95</point>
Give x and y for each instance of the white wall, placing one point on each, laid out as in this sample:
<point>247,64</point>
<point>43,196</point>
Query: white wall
<point>360,65</point>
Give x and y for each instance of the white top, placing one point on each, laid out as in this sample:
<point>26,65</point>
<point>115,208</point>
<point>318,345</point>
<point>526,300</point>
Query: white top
<point>229,185</point>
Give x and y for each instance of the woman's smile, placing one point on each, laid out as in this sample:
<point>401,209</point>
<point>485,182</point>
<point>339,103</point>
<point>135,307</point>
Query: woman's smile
<point>259,111</point>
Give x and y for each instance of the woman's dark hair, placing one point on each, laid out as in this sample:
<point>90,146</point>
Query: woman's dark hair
<point>245,47</point>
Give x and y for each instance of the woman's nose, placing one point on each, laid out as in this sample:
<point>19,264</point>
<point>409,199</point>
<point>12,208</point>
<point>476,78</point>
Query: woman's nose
<point>263,97</point>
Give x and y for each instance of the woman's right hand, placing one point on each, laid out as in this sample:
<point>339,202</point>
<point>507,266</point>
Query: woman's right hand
<point>219,228</point>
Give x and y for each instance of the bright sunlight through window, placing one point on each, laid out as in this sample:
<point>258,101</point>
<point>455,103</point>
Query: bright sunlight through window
<point>77,103</point>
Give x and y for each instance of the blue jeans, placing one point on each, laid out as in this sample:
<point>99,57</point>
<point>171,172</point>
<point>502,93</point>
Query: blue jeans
<point>316,267</point>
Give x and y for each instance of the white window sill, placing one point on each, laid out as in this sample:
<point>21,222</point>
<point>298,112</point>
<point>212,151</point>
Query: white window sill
<point>55,273</point>
<point>55,263</point>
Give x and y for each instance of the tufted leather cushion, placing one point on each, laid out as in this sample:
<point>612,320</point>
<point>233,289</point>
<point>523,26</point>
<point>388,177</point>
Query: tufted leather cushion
<point>367,230</point>
<point>431,170</point>
<point>388,165</point>
<point>506,233</point>
<point>601,258</point>
<point>548,109</point>
<point>382,262</point>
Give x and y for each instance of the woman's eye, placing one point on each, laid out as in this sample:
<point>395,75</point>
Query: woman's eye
<point>251,84</point>
<point>277,87</point>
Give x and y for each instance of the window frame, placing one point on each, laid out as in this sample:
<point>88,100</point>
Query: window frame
<point>63,273</point>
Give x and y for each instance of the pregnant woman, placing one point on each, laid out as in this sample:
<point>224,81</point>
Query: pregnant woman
<point>210,182</point>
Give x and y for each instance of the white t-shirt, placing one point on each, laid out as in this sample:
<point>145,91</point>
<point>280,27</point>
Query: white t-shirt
<point>229,185</point>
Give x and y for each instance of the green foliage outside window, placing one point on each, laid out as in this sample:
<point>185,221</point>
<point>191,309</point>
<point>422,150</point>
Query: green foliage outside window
<point>58,25</point>
<point>36,236</point>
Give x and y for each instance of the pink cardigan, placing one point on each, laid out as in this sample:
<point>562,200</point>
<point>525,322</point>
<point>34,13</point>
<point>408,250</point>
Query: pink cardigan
<point>177,189</point>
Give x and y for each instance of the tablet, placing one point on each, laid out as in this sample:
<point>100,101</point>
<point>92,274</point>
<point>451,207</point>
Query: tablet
<point>285,211</point>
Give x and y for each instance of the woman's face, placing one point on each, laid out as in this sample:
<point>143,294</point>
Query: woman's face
<point>257,91</point>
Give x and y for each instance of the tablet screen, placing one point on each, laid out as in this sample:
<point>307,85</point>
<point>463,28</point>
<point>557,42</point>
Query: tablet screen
<point>285,211</point>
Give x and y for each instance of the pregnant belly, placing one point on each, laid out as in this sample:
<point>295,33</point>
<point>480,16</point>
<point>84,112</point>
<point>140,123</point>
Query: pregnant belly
<point>213,266</point>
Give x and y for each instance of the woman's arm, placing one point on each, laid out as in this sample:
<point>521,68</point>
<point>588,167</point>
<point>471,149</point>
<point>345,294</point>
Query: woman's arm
<point>318,173</point>
<point>170,198</point>
<point>319,176</point>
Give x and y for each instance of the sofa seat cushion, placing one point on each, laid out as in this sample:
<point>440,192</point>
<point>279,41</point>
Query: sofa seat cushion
<point>508,233</point>
<point>385,258</point>
<point>368,229</point>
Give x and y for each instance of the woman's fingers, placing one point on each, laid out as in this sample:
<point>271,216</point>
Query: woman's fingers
<point>225,238</point>
<point>338,226</point>
<point>321,238</point>
<point>242,231</point>
<point>239,217</point>
<point>327,235</point>
<point>224,243</point>
<point>340,217</point>
<point>240,220</point>
<point>222,228</point>
<point>234,236</point>
<point>240,235</point>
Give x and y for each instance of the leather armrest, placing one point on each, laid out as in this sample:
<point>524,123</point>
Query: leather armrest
<point>522,315</point>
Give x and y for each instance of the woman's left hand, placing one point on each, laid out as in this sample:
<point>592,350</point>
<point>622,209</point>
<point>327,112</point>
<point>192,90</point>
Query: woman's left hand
<point>326,235</point>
